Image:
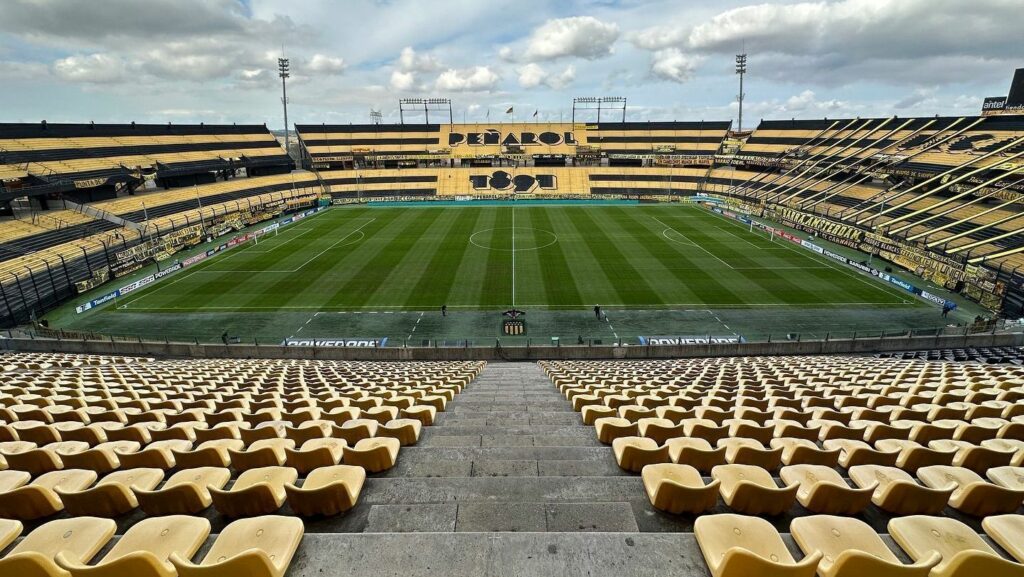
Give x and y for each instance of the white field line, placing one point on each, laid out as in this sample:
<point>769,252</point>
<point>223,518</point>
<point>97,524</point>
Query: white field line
<point>859,277</point>
<point>688,239</point>
<point>514,256</point>
<point>736,236</point>
<point>411,308</point>
<point>219,260</point>
<point>277,246</point>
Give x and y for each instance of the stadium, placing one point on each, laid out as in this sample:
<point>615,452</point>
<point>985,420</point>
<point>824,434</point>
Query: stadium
<point>594,342</point>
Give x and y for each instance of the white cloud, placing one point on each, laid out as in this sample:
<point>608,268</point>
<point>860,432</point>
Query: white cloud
<point>671,64</point>
<point>533,75</point>
<point>326,64</point>
<point>659,37</point>
<point>410,61</point>
<point>402,81</point>
<point>475,79</point>
<point>92,68</point>
<point>578,36</point>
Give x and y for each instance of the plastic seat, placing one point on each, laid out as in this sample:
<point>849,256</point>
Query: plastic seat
<point>187,492</point>
<point>315,453</point>
<point>1008,532</point>
<point>705,429</point>
<point>633,453</point>
<point>823,490</point>
<point>611,428</point>
<point>659,429</point>
<point>1008,445</point>
<point>591,413</point>
<point>39,460</point>
<point>307,430</point>
<point>974,457</point>
<point>374,455</point>
<point>102,458</point>
<point>255,492</point>
<point>851,548</point>
<point>212,453</point>
<point>972,494</point>
<point>262,453</point>
<point>257,547</point>
<point>914,455</point>
<point>9,531</point>
<point>740,546</point>
<point>11,480</point>
<point>156,455</point>
<point>425,414</point>
<point>697,453</point>
<point>752,491</point>
<point>805,452</point>
<point>745,451</point>
<point>327,491</point>
<point>78,539</point>
<point>145,548</point>
<point>678,489</point>
<point>355,430</point>
<point>898,493</point>
<point>39,498</point>
<point>407,431</point>
<point>964,553</point>
<point>112,496</point>
<point>1009,477</point>
<point>854,453</point>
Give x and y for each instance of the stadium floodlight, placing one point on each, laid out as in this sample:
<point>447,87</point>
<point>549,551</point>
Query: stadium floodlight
<point>588,102</point>
<point>426,104</point>
<point>741,69</point>
<point>283,66</point>
<point>376,117</point>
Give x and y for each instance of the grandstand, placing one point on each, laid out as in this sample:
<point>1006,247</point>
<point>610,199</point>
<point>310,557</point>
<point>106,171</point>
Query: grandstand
<point>906,462</point>
<point>936,196</point>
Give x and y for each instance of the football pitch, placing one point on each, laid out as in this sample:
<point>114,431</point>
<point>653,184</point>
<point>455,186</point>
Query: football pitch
<point>554,262</point>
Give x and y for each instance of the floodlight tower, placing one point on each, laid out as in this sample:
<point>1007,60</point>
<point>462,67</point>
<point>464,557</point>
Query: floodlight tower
<point>282,71</point>
<point>741,69</point>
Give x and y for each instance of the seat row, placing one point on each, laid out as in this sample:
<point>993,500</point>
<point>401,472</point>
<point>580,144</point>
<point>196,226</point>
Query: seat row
<point>154,547</point>
<point>749,489</point>
<point>224,445</point>
<point>713,424</point>
<point>327,490</point>
<point>632,452</point>
<point>742,546</point>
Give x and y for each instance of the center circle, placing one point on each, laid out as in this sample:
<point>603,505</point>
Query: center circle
<point>526,238</point>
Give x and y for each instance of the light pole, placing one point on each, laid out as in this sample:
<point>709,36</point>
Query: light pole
<point>282,71</point>
<point>741,69</point>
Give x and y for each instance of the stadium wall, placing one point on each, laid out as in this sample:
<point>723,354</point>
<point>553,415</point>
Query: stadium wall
<point>529,353</point>
<point>497,181</point>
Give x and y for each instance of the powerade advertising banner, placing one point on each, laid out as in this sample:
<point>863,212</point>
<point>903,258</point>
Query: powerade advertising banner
<point>840,258</point>
<point>691,340</point>
<point>192,260</point>
<point>336,343</point>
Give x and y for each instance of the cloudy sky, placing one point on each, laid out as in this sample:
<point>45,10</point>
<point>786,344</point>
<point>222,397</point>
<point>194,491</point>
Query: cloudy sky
<point>215,60</point>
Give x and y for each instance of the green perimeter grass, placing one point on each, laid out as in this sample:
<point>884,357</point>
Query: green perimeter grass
<point>489,258</point>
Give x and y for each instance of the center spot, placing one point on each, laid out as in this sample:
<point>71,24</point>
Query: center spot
<point>526,238</point>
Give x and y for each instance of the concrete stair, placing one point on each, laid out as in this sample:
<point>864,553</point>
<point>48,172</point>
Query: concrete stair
<point>508,481</point>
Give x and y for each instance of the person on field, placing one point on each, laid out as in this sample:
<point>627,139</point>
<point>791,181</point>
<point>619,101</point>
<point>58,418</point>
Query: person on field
<point>444,310</point>
<point>597,311</point>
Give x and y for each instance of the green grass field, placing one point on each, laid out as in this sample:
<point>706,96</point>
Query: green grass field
<point>494,257</point>
<point>553,261</point>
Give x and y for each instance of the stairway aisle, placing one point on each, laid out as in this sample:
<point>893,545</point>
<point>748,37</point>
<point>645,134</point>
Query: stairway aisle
<point>508,481</point>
